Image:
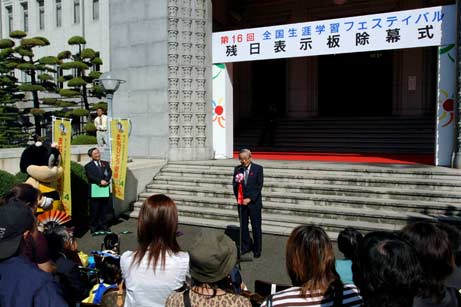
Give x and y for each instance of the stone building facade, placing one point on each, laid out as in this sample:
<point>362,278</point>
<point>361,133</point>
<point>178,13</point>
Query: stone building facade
<point>162,49</point>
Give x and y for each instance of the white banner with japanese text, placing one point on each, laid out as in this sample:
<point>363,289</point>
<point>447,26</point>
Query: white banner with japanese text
<point>433,26</point>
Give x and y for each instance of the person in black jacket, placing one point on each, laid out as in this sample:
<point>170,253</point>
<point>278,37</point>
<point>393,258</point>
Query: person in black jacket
<point>100,173</point>
<point>250,206</point>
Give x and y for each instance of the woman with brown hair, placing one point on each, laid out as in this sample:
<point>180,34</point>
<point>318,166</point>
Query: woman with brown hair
<point>157,267</point>
<point>310,264</point>
<point>434,251</point>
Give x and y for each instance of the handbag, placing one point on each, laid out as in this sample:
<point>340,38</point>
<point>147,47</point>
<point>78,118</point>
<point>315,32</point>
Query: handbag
<point>115,297</point>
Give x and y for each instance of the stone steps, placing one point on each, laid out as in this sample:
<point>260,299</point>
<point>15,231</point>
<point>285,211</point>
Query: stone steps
<point>367,197</point>
<point>293,191</point>
<point>320,211</point>
<point>284,220</point>
<point>294,199</point>
<point>344,135</point>
<point>193,178</point>
<point>293,168</point>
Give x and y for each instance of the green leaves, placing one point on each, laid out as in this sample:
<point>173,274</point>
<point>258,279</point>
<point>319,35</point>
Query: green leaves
<point>75,82</point>
<point>68,93</point>
<point>83,140</point>
<point>31,88</point>
<point>32,42</point>
<point>89,127</point>
<point>26,66</point>
<point>100,104</point>
<point>80,112</point>
<point>76,40</point>
<point>45,77</point>
<point>6,43</point>
<point>43,39</point>
<point>24,51</point>
<point>18,34</point>
<point>94,74</point>
<point>64,55</point>
<point>49,60</point>
<point>96,61</point>
<point>88,53</point>
<point>74,65</point>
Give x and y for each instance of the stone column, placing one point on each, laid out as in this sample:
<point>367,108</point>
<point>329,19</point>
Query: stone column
<point>189,79</point>
<point>162,49</point>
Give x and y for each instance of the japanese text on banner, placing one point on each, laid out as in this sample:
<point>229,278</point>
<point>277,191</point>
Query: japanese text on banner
<point>62,134</point>
<point>119,131</point>
<point>433,26</point>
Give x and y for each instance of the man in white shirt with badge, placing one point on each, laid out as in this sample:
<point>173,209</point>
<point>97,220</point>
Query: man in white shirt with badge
<point>101,127</point>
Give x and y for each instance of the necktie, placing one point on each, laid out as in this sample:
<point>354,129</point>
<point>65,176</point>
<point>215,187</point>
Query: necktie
<point>246,175</point>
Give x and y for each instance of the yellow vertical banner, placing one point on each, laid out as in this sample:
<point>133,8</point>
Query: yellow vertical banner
<point>62,135</point>
<point>119,159</point>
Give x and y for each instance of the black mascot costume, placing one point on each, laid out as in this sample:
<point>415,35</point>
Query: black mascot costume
<point>42,162</point>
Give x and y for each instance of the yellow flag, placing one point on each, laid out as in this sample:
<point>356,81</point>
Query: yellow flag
<point>119,160</point>
<point>62,134</point>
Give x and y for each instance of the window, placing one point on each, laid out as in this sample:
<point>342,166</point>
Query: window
<point>58,13</point>
<point>25,17</point>
<point>76,11</point>
<point>9,17</point>
<point>59,73</point>
<point>95,9</point>
<point>41,14</point>
<point>25,78</point>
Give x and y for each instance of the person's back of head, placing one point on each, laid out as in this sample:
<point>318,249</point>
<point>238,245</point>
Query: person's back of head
<point>110,270</point>
<point>157,226</point>
<point>310,259</point>
<point>387,271</point>
<point>23,192</point>
<point>58,238</point>
<point>348,241</point>
<point>435,254</point>
<point>454,237</point>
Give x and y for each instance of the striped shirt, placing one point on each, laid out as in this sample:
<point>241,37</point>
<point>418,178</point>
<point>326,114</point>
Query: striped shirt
<point>292,297</point>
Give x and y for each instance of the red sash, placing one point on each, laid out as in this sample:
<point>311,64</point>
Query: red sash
<point>240,194</point>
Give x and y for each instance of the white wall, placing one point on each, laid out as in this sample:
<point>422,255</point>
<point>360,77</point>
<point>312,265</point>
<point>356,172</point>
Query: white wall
<point>96,32</point>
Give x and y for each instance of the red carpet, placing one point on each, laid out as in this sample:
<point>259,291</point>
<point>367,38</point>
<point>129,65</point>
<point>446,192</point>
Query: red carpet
<point>345,157</point>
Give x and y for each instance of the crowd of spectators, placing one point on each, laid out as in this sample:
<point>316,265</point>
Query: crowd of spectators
<point>40,265</point>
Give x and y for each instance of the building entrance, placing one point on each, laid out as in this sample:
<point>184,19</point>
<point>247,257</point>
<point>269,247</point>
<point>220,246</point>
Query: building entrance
<point>355,84</point>
<point>269,88</point>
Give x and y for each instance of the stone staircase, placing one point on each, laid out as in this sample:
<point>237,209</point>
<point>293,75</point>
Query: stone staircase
<point>333,195</point>
<point>387,135</point>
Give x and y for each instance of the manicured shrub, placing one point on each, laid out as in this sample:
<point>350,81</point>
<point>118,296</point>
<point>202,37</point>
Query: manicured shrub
<point>84,139</point>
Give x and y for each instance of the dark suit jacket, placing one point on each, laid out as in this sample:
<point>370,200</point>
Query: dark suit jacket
<point>96,174</point>
<point>252,188</point>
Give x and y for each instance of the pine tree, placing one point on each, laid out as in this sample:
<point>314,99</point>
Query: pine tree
<point>38,70</point>
<point>12,132</point>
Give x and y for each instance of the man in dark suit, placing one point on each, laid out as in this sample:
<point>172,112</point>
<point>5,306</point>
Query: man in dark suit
<point>99,172</point>
<point>250,206</point>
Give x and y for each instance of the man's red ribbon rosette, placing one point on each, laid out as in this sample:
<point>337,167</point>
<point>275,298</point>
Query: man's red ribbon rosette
<point>239,179</point>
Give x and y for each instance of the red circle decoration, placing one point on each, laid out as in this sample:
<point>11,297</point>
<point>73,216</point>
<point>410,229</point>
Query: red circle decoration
<point>449,105</point>
<point>219,110</point>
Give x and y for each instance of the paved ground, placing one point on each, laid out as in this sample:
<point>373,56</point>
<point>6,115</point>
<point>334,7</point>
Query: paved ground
<point>270,267</point>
